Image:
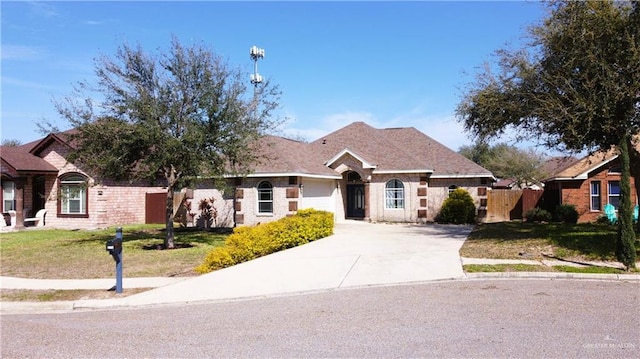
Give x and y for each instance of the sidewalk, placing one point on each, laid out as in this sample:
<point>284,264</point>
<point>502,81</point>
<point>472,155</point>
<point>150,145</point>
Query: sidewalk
<point>88,284</point>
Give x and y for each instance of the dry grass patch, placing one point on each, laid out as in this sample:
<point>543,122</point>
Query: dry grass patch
<point>23,295</point>
<point>66,254</point>
<point>518,240</point>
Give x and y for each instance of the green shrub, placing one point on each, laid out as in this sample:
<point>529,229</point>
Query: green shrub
<point>603,219</point>
<point>458,208</point>
<point>566,213</point>
<point>247,243</point>
<point>537,215</point>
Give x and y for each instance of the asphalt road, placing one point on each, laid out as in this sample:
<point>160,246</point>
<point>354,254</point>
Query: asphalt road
<point>464,318</point>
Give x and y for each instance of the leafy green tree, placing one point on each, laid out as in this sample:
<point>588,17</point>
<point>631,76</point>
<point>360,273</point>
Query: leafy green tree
<point>175,115</point>
<point>576,86</point>
<point>507,162</point>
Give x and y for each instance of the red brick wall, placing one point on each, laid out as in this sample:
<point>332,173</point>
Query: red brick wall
<point>578,193</point>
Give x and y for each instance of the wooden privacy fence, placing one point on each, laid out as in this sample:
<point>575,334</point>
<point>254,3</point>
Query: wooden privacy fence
<point>509,204</point>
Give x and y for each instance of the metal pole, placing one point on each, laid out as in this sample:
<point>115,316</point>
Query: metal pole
<point>118,246</point>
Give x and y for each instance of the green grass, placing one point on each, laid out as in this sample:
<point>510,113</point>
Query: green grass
<point>475,268</point>
<point>68,254</point>
<point>517,240</point>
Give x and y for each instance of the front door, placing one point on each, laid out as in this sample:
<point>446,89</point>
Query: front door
<point>39,198</point>
<point>355,201</point>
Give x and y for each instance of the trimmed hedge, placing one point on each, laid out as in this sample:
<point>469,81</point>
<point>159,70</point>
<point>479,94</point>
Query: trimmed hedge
<point>247,243</point>
<point>458,208</point>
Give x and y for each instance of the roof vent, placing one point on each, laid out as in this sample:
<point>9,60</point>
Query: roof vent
<point>324,141</point>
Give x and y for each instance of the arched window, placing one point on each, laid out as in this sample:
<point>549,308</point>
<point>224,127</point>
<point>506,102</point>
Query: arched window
<point>73,195</point>
<point>353,176</point>
<point>394,194</point>
<point>265,197</point>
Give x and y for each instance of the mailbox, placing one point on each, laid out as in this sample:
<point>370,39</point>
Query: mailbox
<point>114,247</point>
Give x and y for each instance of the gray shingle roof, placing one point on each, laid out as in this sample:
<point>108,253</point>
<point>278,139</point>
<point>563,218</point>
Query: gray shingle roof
<point>397,149</point>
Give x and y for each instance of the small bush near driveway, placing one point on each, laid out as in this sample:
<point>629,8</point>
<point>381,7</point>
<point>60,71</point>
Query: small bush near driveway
<point>247,243</point>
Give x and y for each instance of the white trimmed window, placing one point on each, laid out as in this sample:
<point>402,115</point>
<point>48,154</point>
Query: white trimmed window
<point>596,201</point>
<point>394,194</point>
<point>614,193</point>
<point>265,198</point>
<point>8,196</point>
<point>73,195</point>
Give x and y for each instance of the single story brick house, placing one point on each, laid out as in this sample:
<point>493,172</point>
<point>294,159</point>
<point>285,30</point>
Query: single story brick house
<point>37,176</point>
<point>589,183</point>
<point>356,172</point>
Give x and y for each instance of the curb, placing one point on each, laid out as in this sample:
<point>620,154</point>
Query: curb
<point>555,275</point>
<point>113,304</point>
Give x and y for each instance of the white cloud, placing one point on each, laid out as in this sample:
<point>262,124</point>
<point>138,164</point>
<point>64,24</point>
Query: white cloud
<point>20,52</point>
<point>327,124</point>
<point>29,84</point>
<point>94,22</point>
<point>42,9</point>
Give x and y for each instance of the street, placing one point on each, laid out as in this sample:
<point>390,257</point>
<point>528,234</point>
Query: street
<point>462,318</point>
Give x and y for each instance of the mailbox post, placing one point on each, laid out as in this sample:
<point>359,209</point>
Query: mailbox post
<point>114,247</point>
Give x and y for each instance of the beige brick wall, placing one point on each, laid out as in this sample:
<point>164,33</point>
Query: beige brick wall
<point>379,212</point>
<point>439,191</point>
<point>249,202</point>
<point>223,204</point>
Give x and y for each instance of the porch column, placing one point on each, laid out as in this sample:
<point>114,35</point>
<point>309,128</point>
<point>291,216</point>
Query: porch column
<point>367,201</point>
<point>19,203</point>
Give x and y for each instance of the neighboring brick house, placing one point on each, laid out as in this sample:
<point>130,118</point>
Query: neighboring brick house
<point>37,176</point>
<point>357,172</point>
<point>588,183</point>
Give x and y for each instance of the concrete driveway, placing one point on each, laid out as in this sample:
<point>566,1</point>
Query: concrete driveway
<point>358,254</point>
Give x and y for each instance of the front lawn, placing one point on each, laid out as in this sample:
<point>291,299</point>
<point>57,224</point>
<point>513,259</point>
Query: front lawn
<point>66,254</point>
<point>518,240</point>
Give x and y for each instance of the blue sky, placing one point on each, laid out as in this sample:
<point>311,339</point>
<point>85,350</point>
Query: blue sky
<point>390,64</point>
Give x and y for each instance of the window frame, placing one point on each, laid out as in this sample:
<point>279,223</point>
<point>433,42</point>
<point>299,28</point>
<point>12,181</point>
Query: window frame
<point>593,196</point>
<point>4,196</point>
<point>260,190</point>
<point>394,197</point>
<point>68,181</point>
<point>610,196</point>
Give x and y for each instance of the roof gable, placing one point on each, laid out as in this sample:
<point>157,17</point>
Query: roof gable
<point>396,150</point>
<point>580,169</point>
<point>22,160</point>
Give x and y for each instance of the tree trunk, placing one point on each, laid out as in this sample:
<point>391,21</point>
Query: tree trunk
<point>625,247</point>
<point>634,161</point>
<point>169,238</point>
<point>172,178</point>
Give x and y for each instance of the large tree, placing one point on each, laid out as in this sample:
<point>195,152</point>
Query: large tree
<point>523,166</point>
<point>575,86</point>
<point>176,115</point>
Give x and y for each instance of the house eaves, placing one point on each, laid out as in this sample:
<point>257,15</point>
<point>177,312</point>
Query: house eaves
<point>384,172</point>
<point>584,175</point>
<point>291,174</point>
<point>365,163</point>
<point>485,175</point>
